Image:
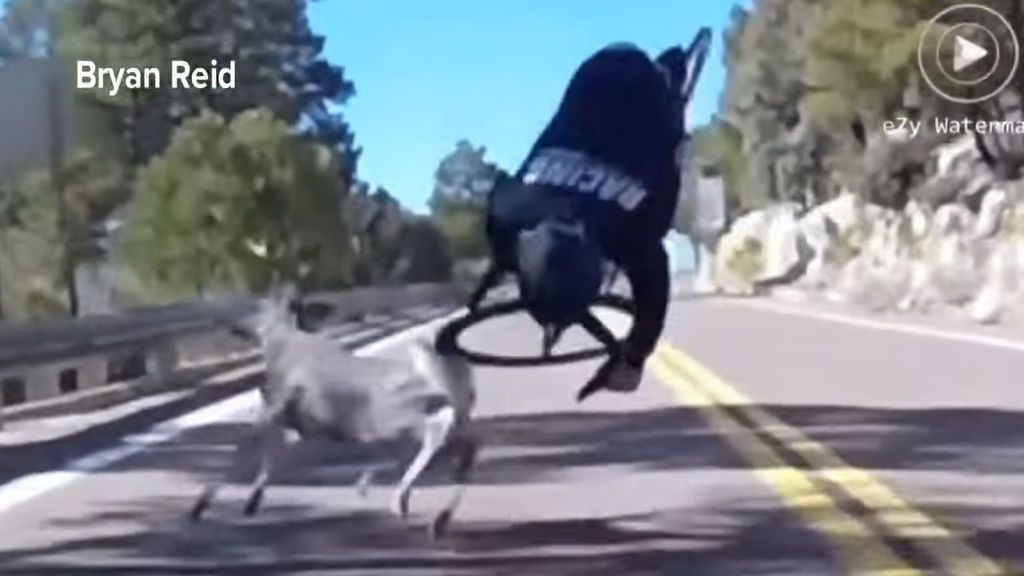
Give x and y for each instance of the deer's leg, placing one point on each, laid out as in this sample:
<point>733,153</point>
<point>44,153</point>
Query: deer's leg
<point>365,481</point>
<point>251,441</point>
<point>436,431</point>
<point>465,449</point>
<point>272,443</point>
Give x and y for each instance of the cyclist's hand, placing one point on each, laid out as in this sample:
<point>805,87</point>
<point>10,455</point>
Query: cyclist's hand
<point>617,374</point>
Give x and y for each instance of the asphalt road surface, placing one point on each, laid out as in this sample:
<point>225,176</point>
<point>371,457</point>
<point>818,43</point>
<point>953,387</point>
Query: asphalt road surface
<point>766,439</point>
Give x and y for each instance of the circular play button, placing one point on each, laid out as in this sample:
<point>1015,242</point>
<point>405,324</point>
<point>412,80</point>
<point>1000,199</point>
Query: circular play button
<point>968,53</point>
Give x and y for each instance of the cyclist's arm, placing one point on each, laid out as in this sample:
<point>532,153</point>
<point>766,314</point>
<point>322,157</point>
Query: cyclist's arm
<point>649,281</point>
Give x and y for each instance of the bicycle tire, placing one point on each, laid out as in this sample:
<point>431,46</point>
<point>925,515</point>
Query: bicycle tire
<point>447,340</point>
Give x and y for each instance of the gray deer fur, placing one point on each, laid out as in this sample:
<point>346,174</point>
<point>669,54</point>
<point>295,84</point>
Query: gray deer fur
<point>320,390</point>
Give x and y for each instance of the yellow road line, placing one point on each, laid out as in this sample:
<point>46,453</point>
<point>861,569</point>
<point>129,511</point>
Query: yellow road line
<point>949,551</point>
<point>858,548</point>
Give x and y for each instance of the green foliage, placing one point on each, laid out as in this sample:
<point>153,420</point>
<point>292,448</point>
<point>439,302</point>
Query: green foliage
<point>863,53</point>
<point>427,257</point>
<point>462,182</point>
<point>766,57</point>
<point>92,190</point>
<point>375,220</point>
<point>747,263</point>
<point>30,285</point>
<point>392,245</point>
<point>12,204</point>
<point>846,245</point>
<point>801,73</point>
<point>37,236</point>
<point>463,228</point>
<point>239,206</point>
<point>42,301</point>
<point>721,144</point>
<point>28,28</point>
<point>1011,226</point>
<point>278,66</point>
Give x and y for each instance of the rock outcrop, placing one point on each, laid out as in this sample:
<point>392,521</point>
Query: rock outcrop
<point>917,259</point>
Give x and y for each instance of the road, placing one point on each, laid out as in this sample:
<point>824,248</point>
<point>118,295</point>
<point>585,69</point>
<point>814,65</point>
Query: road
<point>767,438</point>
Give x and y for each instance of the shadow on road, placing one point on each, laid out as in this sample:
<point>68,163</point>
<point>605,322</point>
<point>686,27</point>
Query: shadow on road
<point>547,447</point>
<point>303,540</point>
<point>753,536</point>
<point>954,440</point>
<point>516,449</point>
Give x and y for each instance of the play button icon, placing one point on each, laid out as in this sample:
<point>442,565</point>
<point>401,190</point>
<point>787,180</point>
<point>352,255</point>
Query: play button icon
<point>967,53</point>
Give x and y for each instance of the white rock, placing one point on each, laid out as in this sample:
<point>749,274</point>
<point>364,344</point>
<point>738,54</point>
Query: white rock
<point>846,211</point>
<point>952,157</point>
<point>919,294</point>
<point>739,257</point>
<point>952,218</point>
<point>844,214</point>
<point>920,218</point>
<point>753,224</point>
<point>953,276</point>
<point>1000,284</point>
<point>742,255</point>
<point>993,206</point>
<point>781,252</point>
<point>879,277</point>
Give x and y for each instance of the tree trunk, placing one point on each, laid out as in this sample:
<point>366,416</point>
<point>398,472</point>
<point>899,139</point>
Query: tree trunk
<point>57,179</point>
<point>1,283</point>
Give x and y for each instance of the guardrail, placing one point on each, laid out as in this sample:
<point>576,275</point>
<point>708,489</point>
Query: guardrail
<point>46,367</point>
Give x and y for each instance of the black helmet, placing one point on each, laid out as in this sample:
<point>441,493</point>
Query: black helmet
<point>559,272</point>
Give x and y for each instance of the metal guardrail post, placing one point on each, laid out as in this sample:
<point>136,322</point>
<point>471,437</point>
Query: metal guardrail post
<point>161,362</point>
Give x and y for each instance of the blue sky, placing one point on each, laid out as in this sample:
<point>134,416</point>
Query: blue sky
<point>428,73</point>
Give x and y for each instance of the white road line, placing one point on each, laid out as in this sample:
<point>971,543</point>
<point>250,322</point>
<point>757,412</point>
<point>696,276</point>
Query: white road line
<point>924,331</point>
<point>32,486</point>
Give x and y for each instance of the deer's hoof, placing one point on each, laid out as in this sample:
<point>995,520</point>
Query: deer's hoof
<point>253,505</point>
<point>202,503</point>
<point>196,514</point>
<point>439,527</point>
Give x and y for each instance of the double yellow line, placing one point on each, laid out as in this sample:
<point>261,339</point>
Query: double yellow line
<point>864,543</point>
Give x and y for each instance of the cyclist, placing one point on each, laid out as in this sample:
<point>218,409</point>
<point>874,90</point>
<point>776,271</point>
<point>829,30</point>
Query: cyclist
<point>600,184</point>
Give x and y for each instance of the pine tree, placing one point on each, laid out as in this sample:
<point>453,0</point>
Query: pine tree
<point>462,182</point>
<point>239,206</point>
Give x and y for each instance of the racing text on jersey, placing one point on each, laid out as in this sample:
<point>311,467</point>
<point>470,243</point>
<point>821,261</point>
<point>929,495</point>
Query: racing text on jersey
<point>574,170</point>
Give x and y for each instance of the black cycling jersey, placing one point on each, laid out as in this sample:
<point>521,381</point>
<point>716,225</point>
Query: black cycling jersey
<point>607,159</point>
